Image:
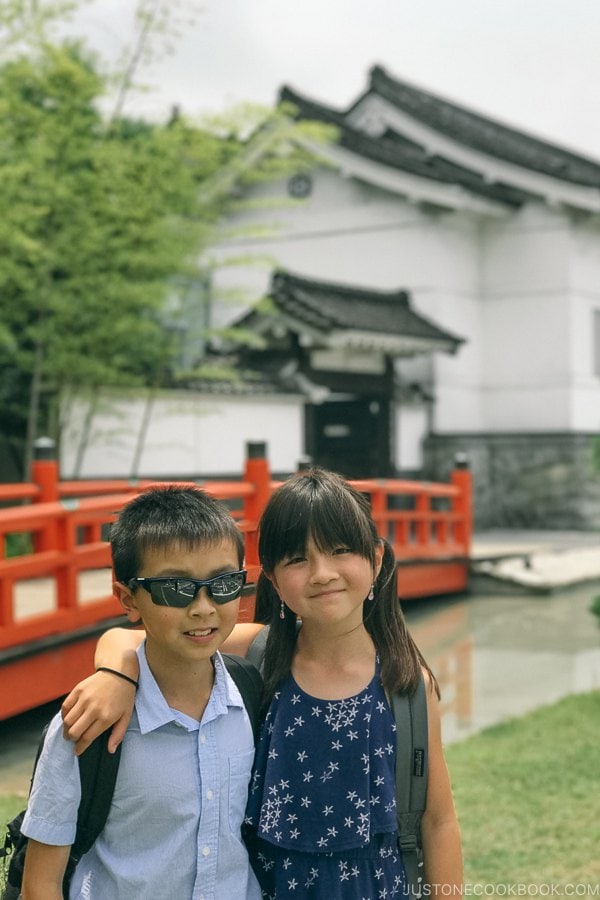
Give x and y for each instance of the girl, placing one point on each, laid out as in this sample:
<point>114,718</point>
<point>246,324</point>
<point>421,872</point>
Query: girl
<point>321,811</point>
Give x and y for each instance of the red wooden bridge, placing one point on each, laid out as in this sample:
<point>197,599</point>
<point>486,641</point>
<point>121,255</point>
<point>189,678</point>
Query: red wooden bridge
<point>55,596</point>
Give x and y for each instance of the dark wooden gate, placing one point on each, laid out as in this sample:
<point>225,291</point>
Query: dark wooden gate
<point>351,437</point>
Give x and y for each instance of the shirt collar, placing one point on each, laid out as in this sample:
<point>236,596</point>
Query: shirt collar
<point>152,709</point>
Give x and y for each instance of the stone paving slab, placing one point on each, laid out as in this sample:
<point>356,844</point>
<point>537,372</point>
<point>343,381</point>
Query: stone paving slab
<point>536,560</point>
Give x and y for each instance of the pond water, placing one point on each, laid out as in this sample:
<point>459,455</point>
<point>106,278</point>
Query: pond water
<point>498,656</point>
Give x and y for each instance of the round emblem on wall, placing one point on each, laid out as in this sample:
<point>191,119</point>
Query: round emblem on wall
<point>300,185</point>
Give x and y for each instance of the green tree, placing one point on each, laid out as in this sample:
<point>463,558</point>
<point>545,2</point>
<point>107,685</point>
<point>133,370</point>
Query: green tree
<point>94,222</point>
<point>101,219</point>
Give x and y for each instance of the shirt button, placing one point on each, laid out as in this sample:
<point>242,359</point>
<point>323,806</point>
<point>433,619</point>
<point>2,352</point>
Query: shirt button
<point>206,851</point>
<point>202,738</point>
<point>209,795</point>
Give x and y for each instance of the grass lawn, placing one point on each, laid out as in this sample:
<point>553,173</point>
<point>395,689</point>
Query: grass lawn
<point>528,798</point>
<point>10,804</point>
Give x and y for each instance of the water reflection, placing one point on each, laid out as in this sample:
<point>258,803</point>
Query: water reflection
<point>499,656</point>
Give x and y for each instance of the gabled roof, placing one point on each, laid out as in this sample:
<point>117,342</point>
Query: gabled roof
<point>483,133</point>
<point>398,152</point>
<point>336,316</point>
<point>449,152</point>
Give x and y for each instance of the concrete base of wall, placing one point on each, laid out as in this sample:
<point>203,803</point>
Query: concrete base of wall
<point>543,481</point>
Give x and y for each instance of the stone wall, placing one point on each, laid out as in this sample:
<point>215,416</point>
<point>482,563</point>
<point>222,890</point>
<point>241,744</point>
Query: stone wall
<point>524,480</point>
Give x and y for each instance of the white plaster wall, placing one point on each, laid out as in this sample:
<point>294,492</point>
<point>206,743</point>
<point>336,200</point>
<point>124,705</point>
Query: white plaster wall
<point>585,257</point>
<point>527,380</point>
<point>188,434</point>
<point>348,232</point>
<point>585,407</point>
<point>109,446</point>
<point>411,428</point>
<point>520,290</point>
<point>527,252</point>
<point>456,377</point>
<point>585,281</point>
<point>351,233</point>
<point>526,371</point>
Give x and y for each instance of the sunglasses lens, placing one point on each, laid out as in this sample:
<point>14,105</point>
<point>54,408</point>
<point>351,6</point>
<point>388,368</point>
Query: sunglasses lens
<point>172,593</point>
<point>180,592</point>
<point>227,587</point>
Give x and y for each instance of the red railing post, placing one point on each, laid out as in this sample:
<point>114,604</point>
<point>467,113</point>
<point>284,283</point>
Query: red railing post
<point>378,499</point>
<point>463,504</point>
<point>66,574</point>
<point>45,474</point>
<point>256,473</point>
<point>423,519</point>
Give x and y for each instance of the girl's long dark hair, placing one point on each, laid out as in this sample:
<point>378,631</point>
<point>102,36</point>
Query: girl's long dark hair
<point>323,506</point>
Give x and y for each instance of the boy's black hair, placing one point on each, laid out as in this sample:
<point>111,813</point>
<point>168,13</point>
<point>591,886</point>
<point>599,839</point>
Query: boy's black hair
<point>166,515</point>
<point>322,505</point>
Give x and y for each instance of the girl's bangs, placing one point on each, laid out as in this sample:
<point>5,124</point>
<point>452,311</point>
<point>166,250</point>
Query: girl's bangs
<point>329,527</point>
<point>329,530</point>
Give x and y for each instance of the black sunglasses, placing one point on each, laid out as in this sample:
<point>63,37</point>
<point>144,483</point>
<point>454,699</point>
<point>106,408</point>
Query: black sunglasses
<point>181,592</point>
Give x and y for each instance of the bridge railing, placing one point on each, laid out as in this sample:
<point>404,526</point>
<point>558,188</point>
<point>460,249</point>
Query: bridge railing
<point>428,525</point>
<point>68,536</point>
<point>56,592</point>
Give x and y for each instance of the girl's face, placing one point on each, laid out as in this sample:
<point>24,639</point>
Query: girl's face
<point>326,586</point>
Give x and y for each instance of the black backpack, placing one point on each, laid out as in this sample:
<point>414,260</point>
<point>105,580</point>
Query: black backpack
<point>98,771</point>
<point>410,713</point>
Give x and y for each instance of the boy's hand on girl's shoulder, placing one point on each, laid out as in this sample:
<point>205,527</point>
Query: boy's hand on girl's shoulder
<point>95,704</point>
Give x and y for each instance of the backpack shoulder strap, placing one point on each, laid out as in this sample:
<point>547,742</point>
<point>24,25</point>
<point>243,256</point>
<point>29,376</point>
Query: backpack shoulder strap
<point>15,843</point>
<point>410,714</point>
<point>249,683</point>
<point>98,771</point>
<point>256,651</point>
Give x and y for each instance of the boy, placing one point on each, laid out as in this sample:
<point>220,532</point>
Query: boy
<point>174,825</point>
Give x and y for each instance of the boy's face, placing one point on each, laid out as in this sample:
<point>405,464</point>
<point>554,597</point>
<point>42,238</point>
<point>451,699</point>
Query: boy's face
<point>193,633</point>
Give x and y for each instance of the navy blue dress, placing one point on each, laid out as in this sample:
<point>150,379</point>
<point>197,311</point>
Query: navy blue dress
<point>322,807</point>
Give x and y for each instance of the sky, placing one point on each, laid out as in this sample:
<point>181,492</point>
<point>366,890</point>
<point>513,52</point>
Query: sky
<point>532,64</point>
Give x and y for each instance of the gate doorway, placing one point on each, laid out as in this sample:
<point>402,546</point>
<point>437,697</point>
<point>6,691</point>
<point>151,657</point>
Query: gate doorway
<point>351,437</point>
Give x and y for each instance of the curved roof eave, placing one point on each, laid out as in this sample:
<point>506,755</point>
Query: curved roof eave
<point>491,151</point>
<point>480,131</point>
<point>416,188</point>
<point>375,111</point>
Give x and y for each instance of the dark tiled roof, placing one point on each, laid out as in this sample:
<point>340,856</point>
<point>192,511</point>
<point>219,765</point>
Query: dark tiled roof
<point>310,109</point>
<point>253,388</point>
<point>394,150</point>
<point>484,134</point>
<point>333,307</point>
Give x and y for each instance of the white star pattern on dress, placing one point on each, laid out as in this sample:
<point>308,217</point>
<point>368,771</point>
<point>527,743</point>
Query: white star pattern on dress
<point>333,760</point>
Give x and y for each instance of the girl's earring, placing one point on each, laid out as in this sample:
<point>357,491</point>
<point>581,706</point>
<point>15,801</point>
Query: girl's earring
<point>371,594</point>
<point>282,611</point>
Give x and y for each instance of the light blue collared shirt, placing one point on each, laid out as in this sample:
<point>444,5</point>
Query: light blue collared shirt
<point>173,830</point>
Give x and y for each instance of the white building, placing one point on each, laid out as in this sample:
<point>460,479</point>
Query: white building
<point>488,236</point>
